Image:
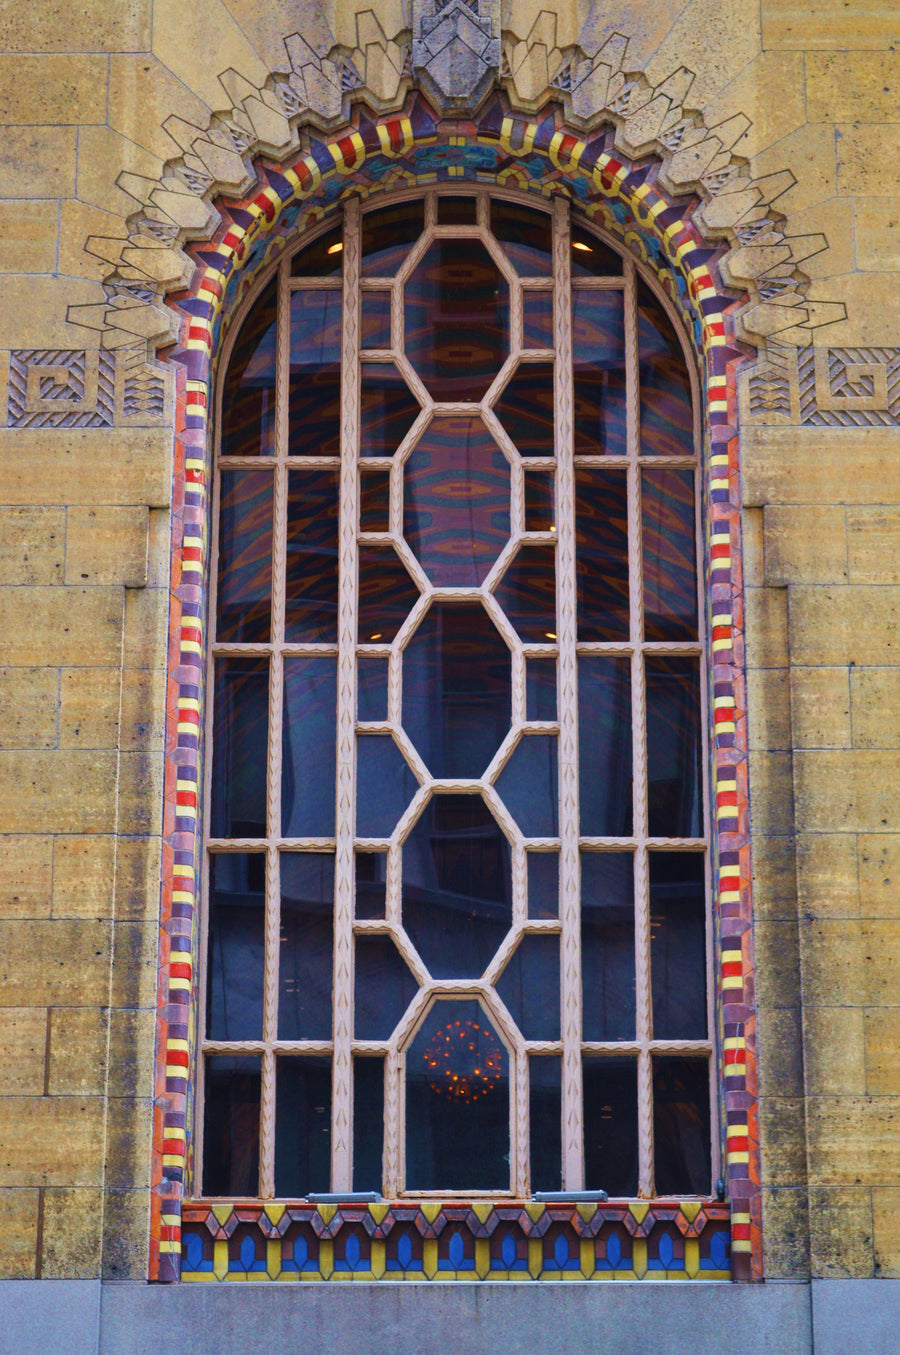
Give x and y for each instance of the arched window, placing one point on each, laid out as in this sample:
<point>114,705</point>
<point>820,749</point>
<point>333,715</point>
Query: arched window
<point>457,924</point>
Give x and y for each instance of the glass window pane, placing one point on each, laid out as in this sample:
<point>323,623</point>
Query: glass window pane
<point>453,211</point>
<point>231,1125</point>
<point>374,501</point>
<point>604,746</point>
<point>529,985</point>
<point>674,789</point>
<point>384,987</point>
<point>372,687</point>
<point>248,395</point>
<point>387,594</point>
<point>308,747</point>
<point>457,1102</point>
<point>610,1125</point>
<point>592,258</point>
<point>601,554</point>
<point>667,424</point>
<point>540,689</point>
<point>526,237</point>
<point>375,320</point>
<point>240,741</point>
<point>305,950</point>
<point>526,409</point>
<point>315,374</point>
<point>598,333</point>
<point>456,317</point>
<point>545,1116</point>
<point>235,956</point>
<point>387,234</point>
<point>607,945</point>
<point>302,1126</point>
<point>537,319</point>
<point>387,409</point>
<point>324,258</point>
<point>539,512</point>
<point>527,592</point>
<point>384,785</point>
<point>368,1123</point>
<point>528,785</point>
<point>311,567</point>
<point>669,555</point>
<point>371,876</point>
<point>244,595</point>
<point>681,1125</point>
<point>678,945</point>
<point>543,884</point>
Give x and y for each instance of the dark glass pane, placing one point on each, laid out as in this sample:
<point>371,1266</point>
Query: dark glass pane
<point>305,953</point>
<point>539,514</point>
<point>302,1126</point>
<point>235,957</point>
<point>386,594</point>
<point>387,409</point>
<point>386,236</point>
<point>311,564</point>
<point>375,320</point>
<point>674,789</point>
<point>598,334</point>
<point>591,258</point>
<point>243,602</point>
<point>324,258</point>
<point>248,395</point>
<point>231,1126</point>
<point>456,501</point>
<point>368,1123</point>
<point>374,501</point>
<point>384,988</point>
<point>314,397</point>
<point>610,1125</point>
<point>545,1115</point>
<point>526,236</point>
<point>529,985</point>
<point>678,945</point>
<point>370,884</point>
<point>371,687</point>
<point>681,1141</point>
<point>543,884</point>
<point>604,746</point>
<point>457,886</point>
<point>525,409</point>
<point>667,424</point>
<point>528,785</point>
<point>457,319</point>
<point>669,554</point>
<point>456,211</point>
<point>540,689</point>
<point>607,945</point>
<point>308,747</point>
<point>457,702</point>
<point>537,319</point>
<point>601,554</point>
<point>527,592</point>
<point>384,785</point>
<point>457,1102</point>
<point>240,740</point>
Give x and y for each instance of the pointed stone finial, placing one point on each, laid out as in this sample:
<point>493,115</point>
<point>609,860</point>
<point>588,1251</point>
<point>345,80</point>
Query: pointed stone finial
<point>456,50</point>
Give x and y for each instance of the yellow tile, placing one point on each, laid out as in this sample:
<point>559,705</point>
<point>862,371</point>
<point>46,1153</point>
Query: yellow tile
<point>51,1141</point>
<point>37,162</point>
<point>879,875</point>
<point>107,545</point>
<point>42,90</point>
<point>28,236</point>
<point>28,707</point>
<point>84,874</point>
<point>820,707</point>
<point>26,874</point>
<point>23,1044</point>
<point>85,466</point>
<point>882,1032</point>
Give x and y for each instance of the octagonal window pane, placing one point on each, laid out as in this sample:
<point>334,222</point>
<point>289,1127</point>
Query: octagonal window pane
<point>387,409</point>
<point>386,594</point>
<point>526,237</point>
<point>387,234</point>
<point>528,785</point>
<point>384,785</point>
<point>457,319</point>
<point>527,593</point>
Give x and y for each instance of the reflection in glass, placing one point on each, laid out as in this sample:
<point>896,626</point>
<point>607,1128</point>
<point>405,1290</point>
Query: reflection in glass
<point>371,687</point>
<point>457,701</point>
<point>236,946</point>
<point>681,1125</point>
<point>543,884</point>
<point>457,1102</point>
<point>529,985</point>
<point>545,1116</point>
<point>371,868</point>
<point>454,211</point>
<point>387,409</point>
<point>457,886</point>
<point>231,1125</point>
<point>527,592</point>
<point>607,945</point>
<point>457,319</point>
<point>528,785</point>
<point>308,746</point>
<point>302,1125</point>
<point>314,399</point>
<point>526,237</point>
<point>598,334</point>
<point>387,234</point>
<point>591,258</point>
<point>540,689</point>
<point>384,785</point>
<point>375,320</point>
<point>374,500</point>
<point>678,945</point>
<point>537,319</point>
<point>368,1123</point>
<point>525,409</point>
<point>601,554</point>
<point>248,395</point>
<point>604,746</point>
<point>240,740</point>
<point>305,950</point>
<point>539,515</point>
<point>668,547</point>
<point>324,258</point>
<point>243,598</point>
<point>311,558</point>
<point>674,789</point>
<point>610,1125</point>
<point>386,594</point>
<point>384,987</point>
<point>667,422</point>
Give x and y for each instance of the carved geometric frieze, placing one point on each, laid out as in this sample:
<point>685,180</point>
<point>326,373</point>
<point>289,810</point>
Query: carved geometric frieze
<point>825,387</point>
<point>84,388</point>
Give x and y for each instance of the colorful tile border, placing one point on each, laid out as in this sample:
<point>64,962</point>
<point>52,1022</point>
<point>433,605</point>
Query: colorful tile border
<point>376,155</point>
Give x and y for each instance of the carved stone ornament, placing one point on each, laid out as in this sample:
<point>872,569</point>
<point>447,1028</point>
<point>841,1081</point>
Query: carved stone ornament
<point>456,50</point>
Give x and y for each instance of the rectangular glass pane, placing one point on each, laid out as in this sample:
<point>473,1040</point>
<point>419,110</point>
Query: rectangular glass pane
<point>374,501</point>
<point>529,985</point>
<point>375,320</point>
<point>543,884</point>
<point>368,1123</point>
<point>235,957</point>
<point>240,740</point>
<point>371,687</point>
<point>248,395</point>
<point>607,945</point>
<point>244,595</point>
<point>545,1117</point>
<point>540,689</point>
<point>384,987</point>
<point>601,554</point>
<point>311,567</point>
<point>678,945</point>
<point>528,785</point>
<point>667,424</point>
<point>302,1126</point>
<point>610,1125</point>
<point>674,785</point>
<point>604,746</point>
<point>371,870</point>
<point>453,211</point>
<point>598,333</point>
<point>681,1128</point>
<point>324,258</point>
<point>539,516</point>
<point>538,319</point>
<point>308,747</point>
<point>314,400</point>
<point>668,540</point>
<point>305,949</point>
<point>231,1125</point>
<point>387,234</point>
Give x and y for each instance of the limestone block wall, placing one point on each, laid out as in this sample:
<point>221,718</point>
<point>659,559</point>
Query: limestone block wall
<point>783,117</point>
